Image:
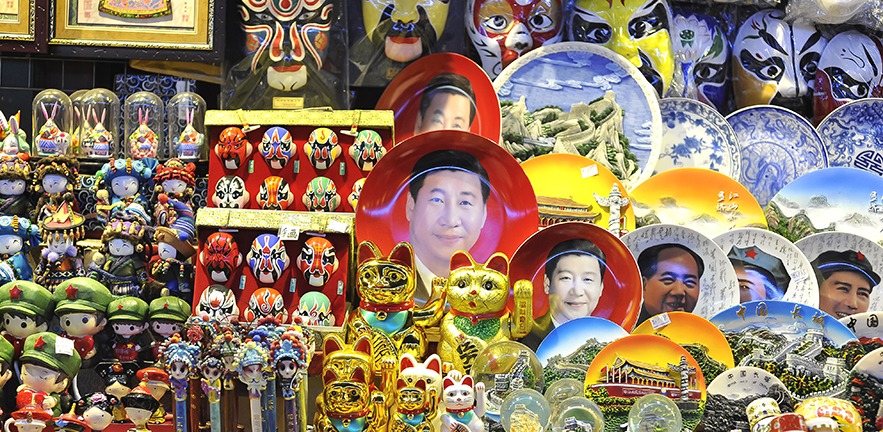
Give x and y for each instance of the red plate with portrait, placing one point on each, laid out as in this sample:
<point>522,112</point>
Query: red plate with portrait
<point>451,82</point>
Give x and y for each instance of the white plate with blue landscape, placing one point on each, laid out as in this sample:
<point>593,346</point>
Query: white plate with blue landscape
<point>695,135</point>
<point>778,145</point>
<point>853,135</point>
<point>569,97</point>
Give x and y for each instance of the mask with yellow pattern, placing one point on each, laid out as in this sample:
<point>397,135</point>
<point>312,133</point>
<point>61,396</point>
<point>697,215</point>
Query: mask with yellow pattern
<point>406,29</point>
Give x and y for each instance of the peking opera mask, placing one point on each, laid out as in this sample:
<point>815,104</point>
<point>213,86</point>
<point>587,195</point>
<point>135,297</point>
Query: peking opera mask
<point>317,261</point>
<point>367,149</point>
<point>233,147</point>
<point>230,192</point>
<point>322,148</point>
<point>406,29</point>
<point>503,30</point>
<point>636,29</point>
<point>775,62</point>
<point>851,67</point>
<point>321,195</point>
<point>315,309</point>
<point>218,302</point>
<point>701,54</point>
<point>265,302</point>
<point>276,147</point>
<point>220,256</point>
<point>275,194</point>
<point>267,258</point>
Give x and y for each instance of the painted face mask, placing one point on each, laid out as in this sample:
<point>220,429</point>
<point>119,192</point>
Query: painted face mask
<point>701,52</point>
<point>276,147</point>
<point>315,309</point>
<point>321,195</point>
<point>367,149</point>
<point>636,29</point>
<point>775,62</point>
<point>322,148</point>
<point>265,302</point>
<point>405,29</point>
<point>267,258</point>
<point>233,147</point>
<point>851,67</point>
<point>218,302</point>
<point>275,194</point>
<point>503,30</point>
<point>220,256</point>
<point>317,261</point>
<point>353,198</point>
<point>230,192</point>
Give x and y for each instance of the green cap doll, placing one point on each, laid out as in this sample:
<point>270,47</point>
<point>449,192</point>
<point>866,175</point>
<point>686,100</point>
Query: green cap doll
<point>81,304</point>
<point>48,363</point>
<point>167,316</point>
<point>127,317</point>
<point>24,307</point>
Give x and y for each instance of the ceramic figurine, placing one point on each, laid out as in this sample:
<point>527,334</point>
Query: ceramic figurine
<point>268,258</point>
<point>71,423</point>
<point>13,138</point>
<point>353,197</point>
<point>123,180</point>
<point>230,192</point>
<point>227,344</point>
<point>464,405</point>
<point>349,400</point>
<point>322,148</point>
<point>157,381</point>
<point>850,68</point>
<point>143,141</point>
<point>14,178</point>
<point>97,141</point>
<point>140,405</point>
<point>25,308</point>
<point>317,260</point>
<point>175,179</point>
<point>478,294</point>
<point>416,407</point>
<point>211,369</point>
<point>81,307</point>
<point>54,180</point>
<point>119,264</point>
<point>171,266</point>
<point>275,194</point>
<point>314,309</point>
<point>220,256</point>
<point>265,302</point>
<point>17,236</point>
<point>118,382</point>
<point>31,418</point>
<point>218,302</point>
<point>60,259</point>
<point>50,139</point>
<point>180,359</point>
<point>367,149</point>
<point>127,318</point>
<point>321,195</point>
<point>233,148</point>
<point>276,147</point>
<point>48,363</point>
<point>702,53</point>
<point>97,410</point>
<point>290,357</point>
<point>251,362</point>
<point>166,316</point>
<point>428,372</point>
<point>189,143</point>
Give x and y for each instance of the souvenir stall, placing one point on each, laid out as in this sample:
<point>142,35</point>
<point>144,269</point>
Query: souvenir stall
<point>443,216</point>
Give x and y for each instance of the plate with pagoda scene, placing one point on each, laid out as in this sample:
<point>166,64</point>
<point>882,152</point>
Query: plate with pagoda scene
<point>569,349</point>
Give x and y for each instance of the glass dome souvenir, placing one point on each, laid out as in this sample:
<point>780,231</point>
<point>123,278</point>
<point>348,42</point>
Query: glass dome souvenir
<point>525,410</point>
<point>186,120</point>
<point>77,119</point>
<point>505,367</point>
<point>655,412</point>
<point>144,118</point>
<point>99,130</point>
<point>52,120</point>
<point>578,414</point>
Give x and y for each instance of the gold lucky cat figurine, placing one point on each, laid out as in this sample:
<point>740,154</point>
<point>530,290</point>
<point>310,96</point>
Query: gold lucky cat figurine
<point>416,407</point>
<point>478,294</point>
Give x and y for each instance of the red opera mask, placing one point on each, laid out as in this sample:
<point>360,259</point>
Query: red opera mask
<point>233,147</point>
<point>317,261</point>
<point>220,256</point>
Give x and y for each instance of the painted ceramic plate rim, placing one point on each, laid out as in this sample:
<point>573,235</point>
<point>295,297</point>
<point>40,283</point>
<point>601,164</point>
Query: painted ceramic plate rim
<point>865,330</point>
<point>828,141</point>
<point>723,126</point>
<point>828,320</point>
<point>716,389</point>
<point>580,323</point>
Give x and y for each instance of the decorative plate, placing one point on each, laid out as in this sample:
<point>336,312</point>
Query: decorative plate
<point>833,199</point>
<point>778,145</point>
<point>696,135</point>
<point>547,98</point>
<point>569,349</point>
<point>712,204</point>
<point>718,287</point>
<point>867,327</point>
<point>866,386</point>
<point>743,381</point>
<point>856,247</point>
<point>640,364</point>
<point>581,185</point>
<point>853,135</point>
<point>781,264</point>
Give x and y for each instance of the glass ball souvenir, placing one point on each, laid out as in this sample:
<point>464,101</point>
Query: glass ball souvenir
<point>653,413</point>
<point>144,118</point>
<point>504,367</point>
<point>578,414</point>
<point>77,120</point>
<point>562,390</point>
<point>52,121</point>
<point>525,410</point>
<point>186,120</point>
<point>99,130</point>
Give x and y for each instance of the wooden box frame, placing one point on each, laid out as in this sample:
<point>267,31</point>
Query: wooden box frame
<point>26,31</point>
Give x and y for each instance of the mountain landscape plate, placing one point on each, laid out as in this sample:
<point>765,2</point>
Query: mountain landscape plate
<point>777,145</point>
<point>853,135</point>
<point>695,135</point>
<point>570,348</point>
<point>569,98</point>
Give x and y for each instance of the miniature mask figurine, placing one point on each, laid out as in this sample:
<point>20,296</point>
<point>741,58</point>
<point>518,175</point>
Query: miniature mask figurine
<point>97,141</point>
<point>166,316</point>
<point>143,142</point>
<point>636,29</point>
<point>189,143</point>
<point>17,236</point>
<point>275,194</point>
<point>60,259</point>
<point>233,148</point>
<point>503,30</point>
<point>317,261</point>
<point>175,179</point>
<point>850,68</point>
<point>465,404</point>
<point>171,265</point>
<point>14,178</point>
<point>230,192</point>
<point>322,148</point>
<point>367,149</point>
<point>81,305</point>
<point>220,256</point>
<point>353,197</point>
<point>97,410</point>
<point>775,62</point>
<point>321,195</point>
<point>314,309</point>
<point>31,418</point>
<point>46,371</point>
<point>276,147</point>
<point>51,140</point>
<point>140,405</point>
<point>268,258</point>
<point>265,302</point>
<point>123,180</point>
<point>701,52</point>
<point>54,181</point>
<point>120,263</point>
<point>24,308</point>
<point>218,302</point>
<point>128,320</point>
<point>12,137</point>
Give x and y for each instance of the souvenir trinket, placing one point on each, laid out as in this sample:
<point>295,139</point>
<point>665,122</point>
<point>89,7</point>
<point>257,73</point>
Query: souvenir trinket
<point>322,148</point>
<point>157,381</point>
<point>251,361</point>
<point>317,261</point>
<point>230,192</point>
<point>140,405</point>
<point>267,258</point>
<point>15,175</point>
<point>31,418</point>
<point>367,149</point>
<point>127,317</point>
<point>96,409</point>
<point>166,316</point>
<point>211,370</point>
<point>176,179</point>
<point>171,265</point>
<point>416,406</point>
<point>51,140</point>
<point>233,148</point>
<point>120,263</point>
<point>54,180</point>
<point>265,302</point>
<point>189,143</point>
<point>291,357</point>
<point>60,260</point>
<point>321,195</point>
<point>97,142</point>
<point>180,359</point>
<point>849,69</point>
<point>353,197</point>
<point>429,373</point>
<point>464,404</point>
<point>186,121</point>
<point>143,141</point>
<point>124,180</point>
<point>275,194</point>
<point>701,54</point>
<point>314,309</point>
<point>276,147</point>
<point>81,306</point>
<point>48,363</point>
<point>24,308</point>
<point>218,302</point>
<point>12,137</point>
<point>220,256</point>
<point>823,412</point>
<point>17,236</point>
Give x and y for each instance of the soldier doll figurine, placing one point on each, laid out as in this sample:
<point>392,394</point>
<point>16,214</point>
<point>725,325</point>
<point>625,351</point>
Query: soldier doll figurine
<point>48,363</point>
<point>24,308</point>
<point>81,308</point>
<point>127,318</point>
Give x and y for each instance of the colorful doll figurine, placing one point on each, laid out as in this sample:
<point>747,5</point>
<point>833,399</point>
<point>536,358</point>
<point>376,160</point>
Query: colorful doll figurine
<point>289,356</point>
<point>189,143</point>
<point>268,258</point>
<point>81,307</point>
<point>97,410</point>
<point>31,418</point>
<point>367,149</point>
<point>218,302</point>
<point>127,318</point>
<point>171,265</point>
<point>143,142</point>
<point>61,259</point>
<point>123,179</point>
<point>503,31</point>
<point>317,261</point>
<point>322,148</point>
<point>850,68</point>
<point>175,179</point>
<point>118,382</point>
<point>265,302</point>
<point>139,406</point>
<point>211,369</point>
<point>15,176</point>
<point>636,29</point>
<point>220,256</point>
<point>276,147</point>
<point>314,309</point>
<point>230,192</point>
<point>17,236</point>
<point>179,359</point>
<point>71,423</point>
<point>25,308</point>
<point>166,316</point>
<point>275,194</point>
<point>701,52</point>
<point>321,195</point>
<point>251,363</point>
<point>775,62</point>
<point>54,180</point>
<point>119,264</point>
<point>464,404</point>
<point>233,148</point>
<point>50,139</point>
<point>353,197</point>
<point>48,363</point>
<point>98,142</point>
<point>157,381</point>
<point>13,138</point>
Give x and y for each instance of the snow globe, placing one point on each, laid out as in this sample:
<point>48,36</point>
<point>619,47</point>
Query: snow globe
<point>186,120</point>
<point>52,119</point>
<point>144,126</point>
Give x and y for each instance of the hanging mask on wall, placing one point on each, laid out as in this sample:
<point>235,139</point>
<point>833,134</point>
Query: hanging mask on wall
<point>230,192</point>
<point>851,67</point>
<point>275,194</point>
<point>353,198</point>
<point>315,309</point>
<point>233,148</point>
<point>367,149</point>
<point>701,55</point>
<point>220,256</point>
<point>322,148</point>
<point>317,261</point>
<point>218,301</point>
<point>265,302</point>
<point>267,258</point>
<point>321,195</point>
<point>276,147</point>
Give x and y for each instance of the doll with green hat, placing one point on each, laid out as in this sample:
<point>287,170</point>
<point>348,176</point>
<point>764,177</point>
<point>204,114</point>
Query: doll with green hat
<point>24,309</point>
<point>167,316</point>
<point>17,235</point>
<point>48,364</point>
<point>126,316</point>
<point>7,351</point>
<point>81,306</point>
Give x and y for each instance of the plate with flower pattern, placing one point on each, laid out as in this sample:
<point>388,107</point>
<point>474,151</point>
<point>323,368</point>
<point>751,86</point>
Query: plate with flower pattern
<point>695,135</point>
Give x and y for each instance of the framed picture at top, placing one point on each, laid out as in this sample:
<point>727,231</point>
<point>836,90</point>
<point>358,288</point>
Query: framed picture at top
<point>155,29</point>
<point>23,25</point>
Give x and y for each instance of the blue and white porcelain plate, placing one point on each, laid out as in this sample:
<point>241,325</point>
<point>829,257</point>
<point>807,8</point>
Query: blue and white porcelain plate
<point>853,135</point>
<point>778,145</point>
<point>579,98</point>
<point>695,135</point>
